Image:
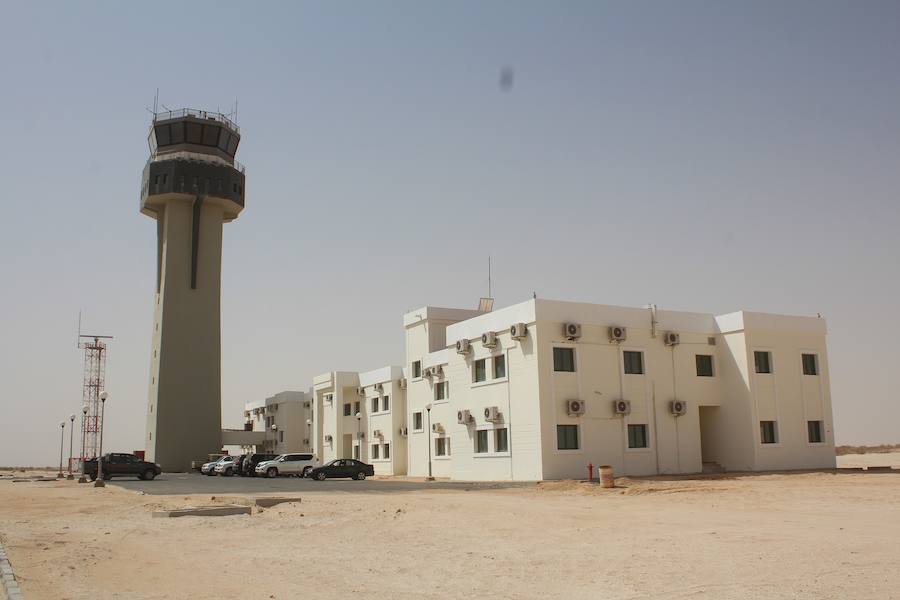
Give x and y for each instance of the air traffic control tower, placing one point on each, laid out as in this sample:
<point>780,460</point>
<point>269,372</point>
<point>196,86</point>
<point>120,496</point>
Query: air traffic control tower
<point>191,186</point>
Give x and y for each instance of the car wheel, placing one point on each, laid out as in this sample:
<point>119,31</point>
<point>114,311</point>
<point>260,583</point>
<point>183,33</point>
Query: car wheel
<point>211,472</point>
<point>321,475</point>
<point>229,472</point>
<point>271,472</point>
<point>360,476</point>
<point>305,473</point>
<point>148,475</point>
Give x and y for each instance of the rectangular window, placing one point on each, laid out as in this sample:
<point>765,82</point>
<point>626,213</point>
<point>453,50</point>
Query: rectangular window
<point>481,441</point>
<point>356,407</point>
<point>567,437</point>
<point>387,451</point>
<point>417,421</point>
<point>480,371</point>
<point>564,360</point>
<point>417,369</point>
<point>768,432</point>
<point>704,365</point>
<point>637,436</point>
<point>762,361</point>
<point>499,366</point>
<point>814,429</point>
<point>634,362</point>
<point>386,403</point>
<point>375,404</point>
<point>442,446</point>
<point>347,412</point>
<point>501,440</point>
<point>440,390</point>
<point>356,452</point>
<point>375,449</point>
<point>810,364</point>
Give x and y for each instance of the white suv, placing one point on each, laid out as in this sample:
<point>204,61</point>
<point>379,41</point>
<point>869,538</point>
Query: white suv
<point>288,464</point>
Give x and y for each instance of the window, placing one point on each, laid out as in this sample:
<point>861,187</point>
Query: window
<point>810,365</point>
<point>567,437</point>
<point>440,390</point>
<point>375,448</point>
<point>375,404</point>
<point>347,412</point>
<point>417,421</point>
<point>634,362</point>
<point>499,366</point>
<point>281,435</point>
<point>356,407</point>
<point>480,371</point>
<point>417,369</point>
<point>763,361</point>
<point>481,441</point>
<point>501,441</point>
<point>386,403</point>
<point>564,360</point>
<point>387,451</point>
<point>768,433</point>
<point>637,436</point>
<point>442,446</point>
<point>356,452</point>
<point>704,365</point>
<point>814,429</point>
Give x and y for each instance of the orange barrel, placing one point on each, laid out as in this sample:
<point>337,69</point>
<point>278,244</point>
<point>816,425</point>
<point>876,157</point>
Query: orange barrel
<point>606,476</point>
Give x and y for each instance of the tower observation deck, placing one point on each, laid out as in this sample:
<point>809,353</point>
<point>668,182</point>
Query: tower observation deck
<point>191,185</point>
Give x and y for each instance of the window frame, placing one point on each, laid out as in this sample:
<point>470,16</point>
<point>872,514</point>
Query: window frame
<point>421,416</point>
<point>645,429</point>
<point>496,437</point>
<point>821,428</point>
<point>770,362</point>
<point>483,363</point>
<point>815,364</point>
<point>502,358</point>
<point>578,439</point>
<point>574,359</point>
<point>643,365</point>
<point>775,437</point>
<point>482,434</point>
<point>445,442</point>
<point>348,409</point>
<point>712,365</point>
<point>416,369</point>
<point>444,387</point>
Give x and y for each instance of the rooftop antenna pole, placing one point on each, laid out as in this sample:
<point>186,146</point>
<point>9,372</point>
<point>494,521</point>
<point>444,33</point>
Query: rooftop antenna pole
<point>155,102</point>
<point>489,277</point>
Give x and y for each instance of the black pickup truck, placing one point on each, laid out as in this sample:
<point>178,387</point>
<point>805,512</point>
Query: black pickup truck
<point>118,465</point>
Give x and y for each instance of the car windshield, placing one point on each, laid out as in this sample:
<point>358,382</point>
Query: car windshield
<point>332,462</point>
<point>279,457</point>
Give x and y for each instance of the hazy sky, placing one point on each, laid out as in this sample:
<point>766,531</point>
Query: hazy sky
<point>706,156</point>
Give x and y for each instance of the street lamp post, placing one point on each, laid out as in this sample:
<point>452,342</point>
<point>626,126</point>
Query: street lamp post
<point>309,435</point>
<point>98,482</point>
<point>84,411</point>
<point>71,447</point>
<point>62,441</point>
<point>359,436</point>
<point>430,438</point>
<point>274,437</point>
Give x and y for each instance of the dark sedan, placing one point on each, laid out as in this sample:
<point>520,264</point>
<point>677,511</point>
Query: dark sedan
<point>343,467</point>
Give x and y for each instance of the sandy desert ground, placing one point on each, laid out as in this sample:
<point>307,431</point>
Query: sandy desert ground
<point>814,535</point>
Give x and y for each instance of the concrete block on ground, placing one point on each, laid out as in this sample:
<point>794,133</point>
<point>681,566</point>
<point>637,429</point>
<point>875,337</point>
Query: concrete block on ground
<point>204,511</point>
<point>272,501</point>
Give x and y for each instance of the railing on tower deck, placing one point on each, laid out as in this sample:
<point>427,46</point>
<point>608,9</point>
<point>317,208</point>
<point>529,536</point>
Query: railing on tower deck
<point>193,112</point>
<point>200,157</point>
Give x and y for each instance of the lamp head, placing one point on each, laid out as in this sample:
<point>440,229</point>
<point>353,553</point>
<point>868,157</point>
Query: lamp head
<point>84,410</point>
<point>308,422</point>
<point>72,417</point>
<point>274,427</point>
<point>358,415</point>
<point>103,396</point>
<point>62,424</point>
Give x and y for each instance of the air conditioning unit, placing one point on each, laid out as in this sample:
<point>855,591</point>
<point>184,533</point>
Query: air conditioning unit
<point>404,431</point>
<point>379,388</point>
<point>489,339</point>
<point>574,407</point>
<point>678,407</point>
<point>306,404</point>
<point>438,371</point>
<point>361,391</point>
<point>617,334</point>
<point>462,346</point>
<point>572,331</point>
<point>491,413</point>
<point>306,442</point>
<point>377,433</point>
<point>464,417</point>
<point>437,428</point>
<point>328,439</point>
<point>402,383</point>
<point>518,331</point>
<point>672,338</point>
<point>622,407</point>
<point>361,434</point>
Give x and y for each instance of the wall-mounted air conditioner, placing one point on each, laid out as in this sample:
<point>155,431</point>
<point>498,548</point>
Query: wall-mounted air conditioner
<point>402,383</point>
<point>404,431</point>
<point>622,407</point>
<point>464,417</point>
<point>617,334</point>
<point>492,413</point>
<point>377,433</point>
<point>489,339</point>
<point>678,407</point>
<point>462,346</point>
<point>672,338</point>
<point>328,439</point>
<point>379,388</point>
<point>437,428</point>
<point>574,407</point>
<point>518,331</point>
<point>572,331</point>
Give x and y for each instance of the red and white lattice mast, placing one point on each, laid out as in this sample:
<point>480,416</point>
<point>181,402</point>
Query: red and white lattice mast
<point>94,383</point>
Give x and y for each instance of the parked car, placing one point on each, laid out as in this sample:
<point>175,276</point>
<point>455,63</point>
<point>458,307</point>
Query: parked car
<point>343,467</point>
<point>248,469</point>
<point>230,467</point>
<point>118,465</point>
<point>288,464</point>
<point>210,467</point>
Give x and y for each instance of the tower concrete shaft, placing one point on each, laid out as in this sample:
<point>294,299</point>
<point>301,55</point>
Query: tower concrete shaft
<point>191,186</point>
